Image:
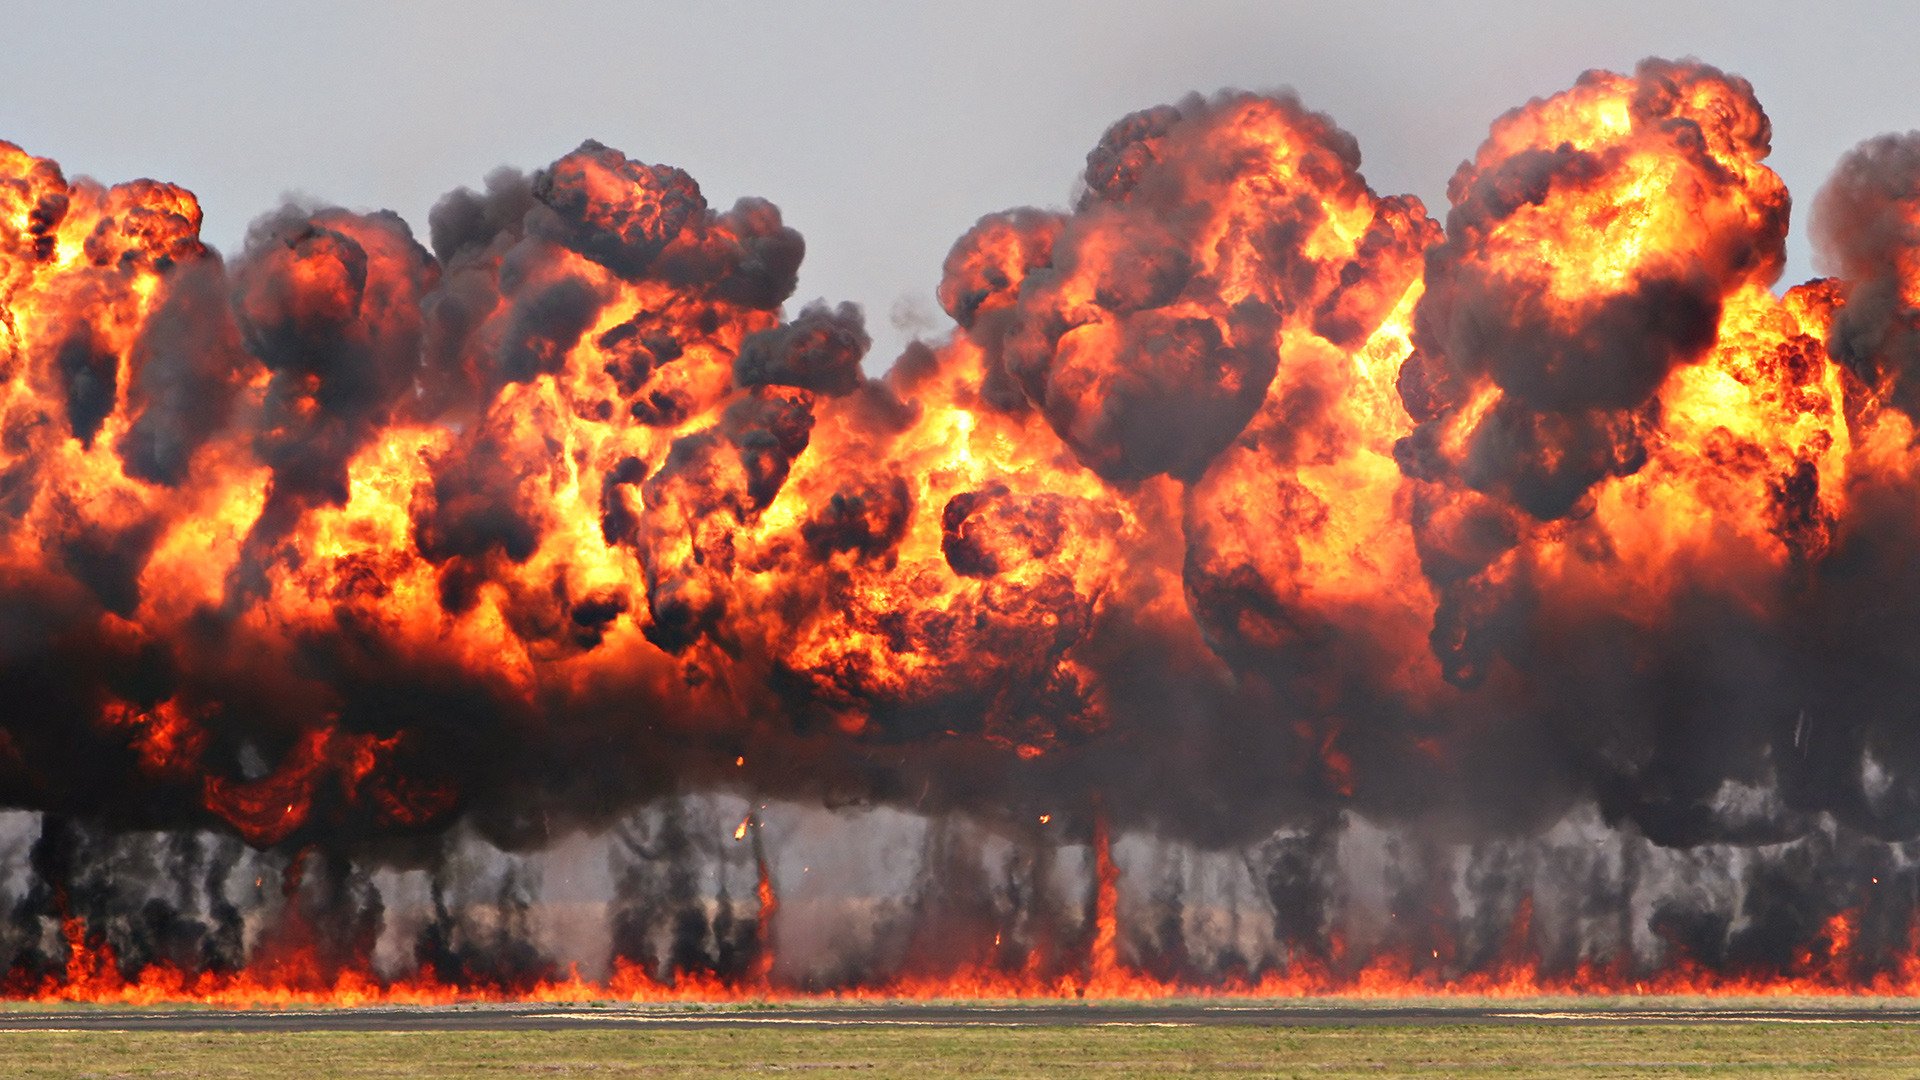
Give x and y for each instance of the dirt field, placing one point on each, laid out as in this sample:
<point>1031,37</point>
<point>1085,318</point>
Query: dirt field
<point>935,1053</point>
<point>1300,1040</point>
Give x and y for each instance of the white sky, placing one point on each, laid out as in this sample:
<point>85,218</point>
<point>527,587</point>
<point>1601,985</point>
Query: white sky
<point>882,129</point>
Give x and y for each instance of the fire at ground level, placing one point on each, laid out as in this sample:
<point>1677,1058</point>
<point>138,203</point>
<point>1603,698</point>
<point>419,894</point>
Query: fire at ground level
<point>1249,1012</point>
<point>109,949</point>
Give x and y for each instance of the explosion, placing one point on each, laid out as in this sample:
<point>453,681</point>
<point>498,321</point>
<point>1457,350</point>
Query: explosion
<point>1266,588</point>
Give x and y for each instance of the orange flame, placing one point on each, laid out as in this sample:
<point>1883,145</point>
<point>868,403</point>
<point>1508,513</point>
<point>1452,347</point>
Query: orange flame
<point>1829,966</point>
<point>348,538</point>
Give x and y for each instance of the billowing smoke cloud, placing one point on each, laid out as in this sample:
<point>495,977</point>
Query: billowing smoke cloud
<point>1247,510</point>
<point>1864,223</point>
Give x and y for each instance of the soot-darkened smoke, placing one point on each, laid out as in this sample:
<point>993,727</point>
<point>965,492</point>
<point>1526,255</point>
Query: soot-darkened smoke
<point>1527,586</point>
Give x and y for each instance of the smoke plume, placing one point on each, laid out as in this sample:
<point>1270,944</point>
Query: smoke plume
<point>1267,583</point>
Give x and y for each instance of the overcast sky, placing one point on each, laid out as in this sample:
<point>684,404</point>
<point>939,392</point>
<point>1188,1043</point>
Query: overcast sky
<point>882,129</point>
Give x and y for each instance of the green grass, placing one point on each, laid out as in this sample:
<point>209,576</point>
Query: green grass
<point>937,1053</point>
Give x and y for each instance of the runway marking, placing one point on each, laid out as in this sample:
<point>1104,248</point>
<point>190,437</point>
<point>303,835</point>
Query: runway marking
<point>1710,1017</point>
<point>997,1018</point>
<point>56,1030</point>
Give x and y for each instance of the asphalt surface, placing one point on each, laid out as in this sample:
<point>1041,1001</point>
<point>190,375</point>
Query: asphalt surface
<point>603,1017</point>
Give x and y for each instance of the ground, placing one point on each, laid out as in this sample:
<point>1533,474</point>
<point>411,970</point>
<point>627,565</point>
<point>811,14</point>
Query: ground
<point>1559,1039</point>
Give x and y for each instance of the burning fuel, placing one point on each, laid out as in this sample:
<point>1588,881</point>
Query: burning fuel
<point>1268,587</point>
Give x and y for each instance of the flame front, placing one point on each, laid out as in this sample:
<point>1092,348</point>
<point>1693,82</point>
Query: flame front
<point>1243,498</point>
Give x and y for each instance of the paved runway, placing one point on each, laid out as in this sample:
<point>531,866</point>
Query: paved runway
<point>602,1017</point>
